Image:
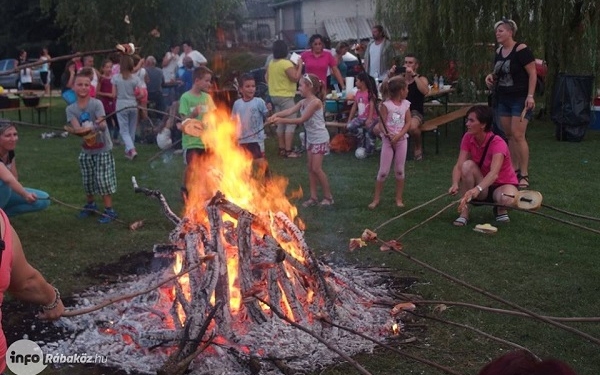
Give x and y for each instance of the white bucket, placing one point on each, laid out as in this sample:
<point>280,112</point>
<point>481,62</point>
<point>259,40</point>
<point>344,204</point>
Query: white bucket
<point>349,83</point>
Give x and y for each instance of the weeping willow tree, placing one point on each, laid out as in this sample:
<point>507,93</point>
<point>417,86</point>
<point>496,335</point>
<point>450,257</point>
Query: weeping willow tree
<point>565,33</point>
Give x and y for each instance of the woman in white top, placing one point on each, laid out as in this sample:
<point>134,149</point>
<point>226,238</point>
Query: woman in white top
<point>25,75</point>
<point>45,70</point>
<point>169,64</point>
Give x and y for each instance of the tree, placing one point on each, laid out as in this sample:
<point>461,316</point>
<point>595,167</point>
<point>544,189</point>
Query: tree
<point>99,24</point>
<point>564,33</point>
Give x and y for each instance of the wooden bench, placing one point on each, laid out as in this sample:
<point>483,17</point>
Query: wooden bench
<point>39,109</point>
<point>452,104</point>
<point>434,123</point>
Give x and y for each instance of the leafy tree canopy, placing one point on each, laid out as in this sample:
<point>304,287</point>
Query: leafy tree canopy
<point>100,24</point>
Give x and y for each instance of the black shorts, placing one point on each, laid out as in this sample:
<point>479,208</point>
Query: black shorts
<point>192,153</point>
<point>253,148</point>
<point>491,189</point>
<point>44,77</point>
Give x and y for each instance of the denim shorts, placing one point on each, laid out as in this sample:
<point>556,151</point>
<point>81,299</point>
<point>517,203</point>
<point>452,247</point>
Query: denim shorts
<point>512,106</point>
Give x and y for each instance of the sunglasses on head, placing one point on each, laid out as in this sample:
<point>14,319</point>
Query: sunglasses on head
<point>307,78</point>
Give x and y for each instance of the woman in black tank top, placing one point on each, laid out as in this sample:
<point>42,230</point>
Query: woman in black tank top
<point>513,84</point>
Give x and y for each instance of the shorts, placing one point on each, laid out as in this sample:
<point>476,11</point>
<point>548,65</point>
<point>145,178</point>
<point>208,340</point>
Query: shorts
<point>414,114</point>
<point>318,148</point>
<point>190,153</point>
<point>281,103</point>
<point>98,173</point>
<point>144,98</point>
<point>253,148</point>
<point>44,78</point>
<point>491,189</point>
<point>512,106</point>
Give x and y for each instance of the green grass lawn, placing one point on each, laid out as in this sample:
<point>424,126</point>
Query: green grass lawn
<point>542,265</point>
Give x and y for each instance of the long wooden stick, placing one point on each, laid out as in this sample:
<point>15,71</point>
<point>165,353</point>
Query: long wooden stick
<point>110,301</point>
<point>133,226</point>
<point>476,330</point>
<point>281,315</point>
<point>59,58</point>
<point>574,319</point>
<point>404,354</point>
<point>409,211</point>
<point>426,221</point>
<point>500,299</point>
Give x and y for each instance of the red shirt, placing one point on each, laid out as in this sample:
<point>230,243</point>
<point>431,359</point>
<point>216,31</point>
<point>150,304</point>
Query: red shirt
<point>506,175</point>
<point>318,65</point>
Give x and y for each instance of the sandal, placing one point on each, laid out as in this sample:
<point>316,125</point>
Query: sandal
<point>501,218</point>
<point>326,202</point>
<point>525,185</point>
<point>310,202</point>
<point>460,221</point>
<point>419,156</point>
<point>291,154</point>
<point>281,152</point>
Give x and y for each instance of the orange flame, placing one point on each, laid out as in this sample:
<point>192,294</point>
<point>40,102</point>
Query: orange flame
<point>229,169</point>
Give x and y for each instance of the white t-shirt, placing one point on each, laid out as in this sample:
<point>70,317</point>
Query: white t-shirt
<point>171,68</point>
<point>196,57</point>
<point>375,60</point>
<point>141,74</point>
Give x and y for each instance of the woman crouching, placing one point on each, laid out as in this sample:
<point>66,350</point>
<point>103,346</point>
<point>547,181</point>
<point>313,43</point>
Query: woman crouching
<point>483,171</point>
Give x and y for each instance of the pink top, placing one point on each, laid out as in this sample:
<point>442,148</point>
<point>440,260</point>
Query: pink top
<point>363,104</point>
<point>318,65</point>
<point>497,146</point>
<point>396,117</point>
<point>5,270</point>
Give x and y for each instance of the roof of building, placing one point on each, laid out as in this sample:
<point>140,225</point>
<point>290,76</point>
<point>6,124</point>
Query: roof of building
<point>349,28</point>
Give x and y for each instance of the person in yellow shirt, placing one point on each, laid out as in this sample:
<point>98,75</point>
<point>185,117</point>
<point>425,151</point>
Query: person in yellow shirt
<point>282,78</point>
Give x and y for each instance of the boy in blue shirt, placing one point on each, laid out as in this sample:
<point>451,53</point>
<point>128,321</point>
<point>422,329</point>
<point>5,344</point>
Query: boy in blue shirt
<point>251,112</point>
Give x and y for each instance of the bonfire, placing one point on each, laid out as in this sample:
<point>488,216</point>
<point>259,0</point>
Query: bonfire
<point>244,292</point>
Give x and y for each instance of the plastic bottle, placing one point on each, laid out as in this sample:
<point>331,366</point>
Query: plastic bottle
<point>441,82</point>
<point>435,83</point>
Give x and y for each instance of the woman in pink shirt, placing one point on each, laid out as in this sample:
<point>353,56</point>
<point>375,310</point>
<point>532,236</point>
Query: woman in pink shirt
<point>22,281</point>
<point>483,171</point>
<point>317,60</point>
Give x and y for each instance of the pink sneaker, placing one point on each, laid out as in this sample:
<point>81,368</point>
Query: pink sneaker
<point>131,154</point>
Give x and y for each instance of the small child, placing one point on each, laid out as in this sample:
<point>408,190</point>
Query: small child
<point>195,104</point>
<point>396,113</point>
<point>124,88</point>
<point>106,96</point>
<point>251,112</point>
<point>95,160</point>
<point>365,100</point>
<point>317,136</point>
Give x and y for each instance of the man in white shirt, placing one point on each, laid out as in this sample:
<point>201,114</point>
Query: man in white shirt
<point>196,56</point>
<point>379,54</point>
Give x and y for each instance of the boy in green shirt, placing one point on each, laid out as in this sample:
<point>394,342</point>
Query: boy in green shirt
<point>195,104</point>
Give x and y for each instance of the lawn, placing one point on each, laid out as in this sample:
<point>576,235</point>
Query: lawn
<point>540,264</point>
